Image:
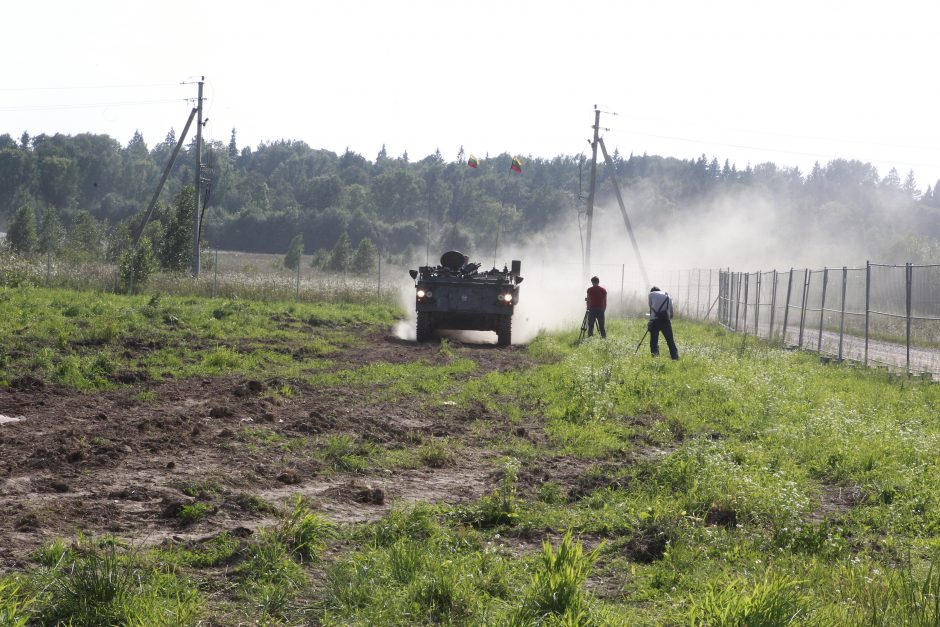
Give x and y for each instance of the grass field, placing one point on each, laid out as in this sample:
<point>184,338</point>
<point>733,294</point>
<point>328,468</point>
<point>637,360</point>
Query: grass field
<point>184,461</point>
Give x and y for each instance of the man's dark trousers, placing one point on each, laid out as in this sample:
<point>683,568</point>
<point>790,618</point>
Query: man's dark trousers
<point>596,316</point>
<point>664,325</point>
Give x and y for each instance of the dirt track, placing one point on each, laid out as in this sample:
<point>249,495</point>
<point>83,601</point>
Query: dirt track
<point>113,463</point>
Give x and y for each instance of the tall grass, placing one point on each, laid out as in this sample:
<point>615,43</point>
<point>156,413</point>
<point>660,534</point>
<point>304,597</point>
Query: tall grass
<point>15,605</point>
<point>99,583</point>
<point>263,279</point>
<point>771,600</point>
<point>556,592</point>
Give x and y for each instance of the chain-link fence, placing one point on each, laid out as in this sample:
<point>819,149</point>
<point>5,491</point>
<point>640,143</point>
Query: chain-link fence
<point>880,315</point>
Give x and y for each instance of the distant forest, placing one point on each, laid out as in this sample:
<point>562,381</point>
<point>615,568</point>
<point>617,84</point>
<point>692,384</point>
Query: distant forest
<point>259,199</point>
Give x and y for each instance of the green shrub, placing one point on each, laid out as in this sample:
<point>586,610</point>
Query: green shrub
<point>137,266</point>
<point>303,532</point>
<point>97,583</point>
<point>556,592</point>
<point>500,507</point>
<point>771,600</point>
<point>436,454</point>
<point>192,512</point>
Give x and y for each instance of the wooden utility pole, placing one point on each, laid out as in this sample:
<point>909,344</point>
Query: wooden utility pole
<point>166,173</point>
<point>612,172</point>
<point>590,206</point>
<point>196,216</point>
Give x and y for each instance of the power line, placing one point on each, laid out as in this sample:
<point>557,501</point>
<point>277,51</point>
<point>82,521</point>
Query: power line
<point>81,87</point>
<point>765,149</point>
<point>89,105</point>
<point>783,134</point>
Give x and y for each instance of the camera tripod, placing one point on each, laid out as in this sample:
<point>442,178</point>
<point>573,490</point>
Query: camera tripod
<point>584,328</point>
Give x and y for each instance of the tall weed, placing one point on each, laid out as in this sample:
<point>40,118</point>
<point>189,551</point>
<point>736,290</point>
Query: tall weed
<point>772,600</point>
<point>556,592</point>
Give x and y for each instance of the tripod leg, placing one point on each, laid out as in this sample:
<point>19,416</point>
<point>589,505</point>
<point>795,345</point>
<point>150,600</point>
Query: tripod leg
<point>640,343</point>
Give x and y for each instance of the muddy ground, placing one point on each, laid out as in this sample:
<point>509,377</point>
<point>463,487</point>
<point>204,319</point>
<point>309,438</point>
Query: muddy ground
<point>125,461</point>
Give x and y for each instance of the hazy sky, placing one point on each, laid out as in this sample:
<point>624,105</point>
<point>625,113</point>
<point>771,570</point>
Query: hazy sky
<point>786,81</point>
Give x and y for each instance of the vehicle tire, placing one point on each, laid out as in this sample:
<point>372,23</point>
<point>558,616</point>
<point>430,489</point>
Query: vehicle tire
<point>504,331</point>
<point>424,327</point>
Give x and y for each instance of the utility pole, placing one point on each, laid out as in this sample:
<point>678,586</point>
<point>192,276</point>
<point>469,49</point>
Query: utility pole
<point>590,207</point>
<point>199,124</point>
<point>623,209</point>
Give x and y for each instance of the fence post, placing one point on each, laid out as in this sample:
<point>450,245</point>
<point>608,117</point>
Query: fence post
<point>757,306</point>
<point>297,284</point>
<point>708,301</point>
<point>722,290</point>
<point>215,278</point>
<point>807,277</point>
<point>845,278</point>
<point>737,301</point>
<point>688,292</point>
<point>786,308</point>
<point>623,268</point>
<point>729,309</point>
<point>867,304</point>
<point>773,305</point>
<point>378,288</point>
<point>698,293</point>
<point>747,281</point>
<point>822,310</point>
<point>909,275</point>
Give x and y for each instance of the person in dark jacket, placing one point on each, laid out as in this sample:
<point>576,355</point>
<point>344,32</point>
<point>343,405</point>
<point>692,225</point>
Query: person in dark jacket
<point>661,320</point>
<point>596,305</point>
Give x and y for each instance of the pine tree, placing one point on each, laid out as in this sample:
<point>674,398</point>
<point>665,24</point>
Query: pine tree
<point>363,261</point>
<point>295,251</point>
<point>910,186</point>
<point>83,242</point>
<point>137,266</point>
<point>50,231</point>
<point>232,147</point>
<point>341,256</point>
<point>176,248</point>
<point>21,233</point>
<point>119,241</point>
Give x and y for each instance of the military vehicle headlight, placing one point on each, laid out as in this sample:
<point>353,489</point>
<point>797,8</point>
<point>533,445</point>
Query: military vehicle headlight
<point>506,297</point>
<point>421,293</point>
<point>428,293</point>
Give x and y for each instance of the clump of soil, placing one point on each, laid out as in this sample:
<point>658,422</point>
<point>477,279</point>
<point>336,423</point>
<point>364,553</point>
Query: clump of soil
<point>647,545</point>
<point>721,516</point>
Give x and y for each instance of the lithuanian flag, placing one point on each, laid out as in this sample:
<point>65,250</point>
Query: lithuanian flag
<point>516,165</point>
<point>473,161</point>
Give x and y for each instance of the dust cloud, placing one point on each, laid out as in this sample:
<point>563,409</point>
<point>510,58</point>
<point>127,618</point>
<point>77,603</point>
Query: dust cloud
<point>746,231</point>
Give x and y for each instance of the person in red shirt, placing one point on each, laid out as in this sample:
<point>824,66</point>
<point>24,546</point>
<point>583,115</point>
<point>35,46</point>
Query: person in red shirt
<point>596,305</point>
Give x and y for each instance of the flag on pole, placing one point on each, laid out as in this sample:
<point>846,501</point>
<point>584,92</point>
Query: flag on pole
<point>516,165</point>
<point>473,162</point>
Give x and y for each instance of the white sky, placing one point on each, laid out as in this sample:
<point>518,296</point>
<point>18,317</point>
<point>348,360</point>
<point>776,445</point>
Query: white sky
<point>786,81</point>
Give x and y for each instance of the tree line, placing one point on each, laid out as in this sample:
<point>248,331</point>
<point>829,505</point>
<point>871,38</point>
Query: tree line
<point>87,193</point>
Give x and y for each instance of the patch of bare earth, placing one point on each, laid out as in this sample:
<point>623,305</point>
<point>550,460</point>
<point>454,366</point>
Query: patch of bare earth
<point>835,500</point>
<point>110,463</point>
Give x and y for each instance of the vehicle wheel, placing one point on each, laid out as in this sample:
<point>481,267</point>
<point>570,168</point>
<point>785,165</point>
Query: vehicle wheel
<point>424,326</point>
<point>504,331</point>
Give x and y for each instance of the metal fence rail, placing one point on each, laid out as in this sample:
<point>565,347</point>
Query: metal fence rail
<point>879,315</point>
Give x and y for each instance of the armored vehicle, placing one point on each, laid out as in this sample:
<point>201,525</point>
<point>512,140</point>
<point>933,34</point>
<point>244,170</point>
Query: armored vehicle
<point>457,295</point>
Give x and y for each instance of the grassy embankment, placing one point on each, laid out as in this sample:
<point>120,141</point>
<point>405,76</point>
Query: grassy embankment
<point>741,485</point>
